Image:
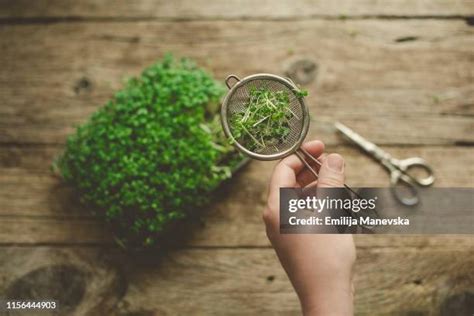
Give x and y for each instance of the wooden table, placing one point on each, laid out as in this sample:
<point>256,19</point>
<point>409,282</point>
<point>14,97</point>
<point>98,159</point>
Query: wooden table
<point>400,72</point>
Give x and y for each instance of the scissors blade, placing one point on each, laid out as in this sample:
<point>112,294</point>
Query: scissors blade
<point>369,147</point>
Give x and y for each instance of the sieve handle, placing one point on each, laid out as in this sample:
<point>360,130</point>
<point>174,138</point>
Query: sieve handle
<point>227,80</point>
<point>301,152</point>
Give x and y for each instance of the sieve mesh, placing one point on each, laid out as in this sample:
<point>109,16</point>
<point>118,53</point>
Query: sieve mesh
<point>238,99</point>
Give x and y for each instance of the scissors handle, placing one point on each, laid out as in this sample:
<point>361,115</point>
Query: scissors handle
<point>416,163</point>
<point>403,188</point>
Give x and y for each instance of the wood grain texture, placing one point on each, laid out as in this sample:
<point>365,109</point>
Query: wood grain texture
<point>399,72</point>
<point>31,189</point>
<point>417,92</point>
<point>38,208</point>
<point>242,9</point>
<point>236,282</point>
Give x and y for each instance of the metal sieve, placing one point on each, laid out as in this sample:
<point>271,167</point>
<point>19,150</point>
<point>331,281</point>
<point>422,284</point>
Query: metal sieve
<point>236,101</point>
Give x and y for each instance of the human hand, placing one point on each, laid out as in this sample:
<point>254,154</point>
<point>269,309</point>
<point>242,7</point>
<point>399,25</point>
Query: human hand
<point>319,266</point>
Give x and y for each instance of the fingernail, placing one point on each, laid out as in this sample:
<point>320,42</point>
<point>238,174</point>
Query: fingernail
<point>335,162</point>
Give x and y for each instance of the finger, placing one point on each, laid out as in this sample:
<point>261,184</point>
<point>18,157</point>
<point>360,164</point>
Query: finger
<point>331,173</point>
<point>312,184</point>
<point>283,177</point>
<point>315,148</point>
<point>284,174</point>
<point>305,177</point>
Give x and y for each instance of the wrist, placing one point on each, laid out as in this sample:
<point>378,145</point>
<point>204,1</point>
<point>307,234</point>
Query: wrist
<point>329,299</point>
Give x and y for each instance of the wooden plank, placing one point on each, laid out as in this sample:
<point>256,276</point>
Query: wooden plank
<point>37,207</point>
<point>243,9</point>
<point>72,232</point>
<point>227,281</point>
<point>76,277</point>
<point>44,230</point>
<point>417,92</point>
<point>30,189</point>
<point>21,231</point>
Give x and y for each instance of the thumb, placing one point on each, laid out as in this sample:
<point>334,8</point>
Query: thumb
<point>331,173</point>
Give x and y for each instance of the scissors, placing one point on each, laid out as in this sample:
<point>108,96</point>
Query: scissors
<point>398,169</point>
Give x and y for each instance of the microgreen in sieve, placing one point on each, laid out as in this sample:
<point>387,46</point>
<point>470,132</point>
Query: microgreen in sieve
<point>237,100</point>
<point>236,103</point>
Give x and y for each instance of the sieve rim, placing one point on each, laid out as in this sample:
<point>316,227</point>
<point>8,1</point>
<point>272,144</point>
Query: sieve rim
<point>264,76</point>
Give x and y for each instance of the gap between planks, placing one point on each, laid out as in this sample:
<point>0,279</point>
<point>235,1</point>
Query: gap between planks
<point>243,9</point>
<point>75,19</point>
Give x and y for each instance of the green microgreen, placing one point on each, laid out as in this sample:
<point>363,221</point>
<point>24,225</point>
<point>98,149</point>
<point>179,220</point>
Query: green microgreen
<point>152,154</point>
<point>265,119</point>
